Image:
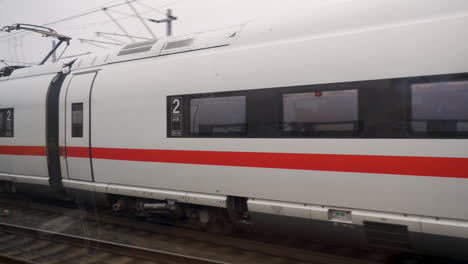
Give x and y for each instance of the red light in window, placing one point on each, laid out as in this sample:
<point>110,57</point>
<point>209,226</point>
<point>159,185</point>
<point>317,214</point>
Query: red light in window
<point>318,94</point>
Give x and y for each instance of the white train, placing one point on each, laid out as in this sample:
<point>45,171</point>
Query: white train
<point>353,118</point>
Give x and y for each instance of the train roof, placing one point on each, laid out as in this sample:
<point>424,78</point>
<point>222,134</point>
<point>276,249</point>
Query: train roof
<point>321,20</point>
<point>161,47</point>
<point>145,49</point>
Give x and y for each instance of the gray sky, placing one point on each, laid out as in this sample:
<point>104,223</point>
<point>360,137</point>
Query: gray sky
<point>194,16</point>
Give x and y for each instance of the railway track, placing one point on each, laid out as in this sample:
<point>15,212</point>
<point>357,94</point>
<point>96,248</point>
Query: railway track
<point>46,246</point>
<point>99,238</point>
<point>14,260</point>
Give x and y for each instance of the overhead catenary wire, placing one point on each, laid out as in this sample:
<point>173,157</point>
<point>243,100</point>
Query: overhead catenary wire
<point>95,10</point>
<point>156,9</point>
<point>127,14</point>
<point>107,21</point>
<point>142,20</point>
<point>96,45</point>
<point>89,12</point>
<point>121,35</point>
<point>117,24</point>
<point>99,41</point>
<point>86,13</point>
<point>75,55</point>
<point>110,38</point>
<point>74,17</point>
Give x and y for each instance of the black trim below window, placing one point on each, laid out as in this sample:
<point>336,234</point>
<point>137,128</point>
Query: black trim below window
<point>7,122</point>
<point>386,108</point>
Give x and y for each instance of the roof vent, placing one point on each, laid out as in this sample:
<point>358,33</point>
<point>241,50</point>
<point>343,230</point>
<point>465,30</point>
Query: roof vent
<point>137,47</point>
<point>179,44</point>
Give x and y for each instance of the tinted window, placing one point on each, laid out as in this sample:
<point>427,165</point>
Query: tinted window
<point>6,122</point>
<point>77,120</point>
<point>218,116</point>
<point>439,108</point>
<point>412,107</point>
<point>327,113</point>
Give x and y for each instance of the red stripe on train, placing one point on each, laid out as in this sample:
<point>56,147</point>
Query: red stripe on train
<point>405,165</point>
<point>75,152</point>
<point>23,150</point>
<point>418,166</point>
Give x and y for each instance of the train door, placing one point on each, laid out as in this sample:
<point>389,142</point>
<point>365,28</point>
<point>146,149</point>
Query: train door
<point>77,128</point>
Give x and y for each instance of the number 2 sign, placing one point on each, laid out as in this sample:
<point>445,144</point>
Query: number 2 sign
<point>176,116</point>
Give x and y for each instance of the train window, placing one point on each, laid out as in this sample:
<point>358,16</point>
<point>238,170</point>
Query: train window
<point>218,116</point>
<point>439,109</point>
<point>6,122</point>
<point>413,107</point>
<point>321,114</point>
<point>77,120</point>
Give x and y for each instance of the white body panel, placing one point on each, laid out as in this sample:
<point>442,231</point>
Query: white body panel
<point>27,96</point>
<point>78,91</point>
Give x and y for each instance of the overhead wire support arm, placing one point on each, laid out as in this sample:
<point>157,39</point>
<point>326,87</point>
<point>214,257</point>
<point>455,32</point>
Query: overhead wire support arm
<point>95,45</point>
<point>110,38</point>
<point>76,55</point>
<point>99,41</point>
<point>137,14</point>
<point>117,24</point>
<point>169,18</point>
<point>121,35</point>
<point>44,31</point>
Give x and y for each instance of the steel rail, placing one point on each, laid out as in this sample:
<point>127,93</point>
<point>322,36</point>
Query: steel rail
<point>292,254</point>
<point>101,245</point>
<point>14,260</point>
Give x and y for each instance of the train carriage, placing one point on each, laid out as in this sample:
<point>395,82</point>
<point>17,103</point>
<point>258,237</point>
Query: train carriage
<point>343,119</point>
